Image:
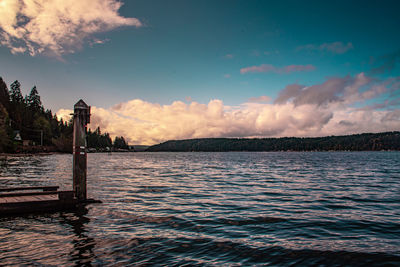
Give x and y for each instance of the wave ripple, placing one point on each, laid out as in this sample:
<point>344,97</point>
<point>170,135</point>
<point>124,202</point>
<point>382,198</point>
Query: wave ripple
<point>280,209</point>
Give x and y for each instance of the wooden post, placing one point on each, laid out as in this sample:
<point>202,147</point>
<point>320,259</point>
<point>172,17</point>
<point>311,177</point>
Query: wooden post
<point>81,119</point>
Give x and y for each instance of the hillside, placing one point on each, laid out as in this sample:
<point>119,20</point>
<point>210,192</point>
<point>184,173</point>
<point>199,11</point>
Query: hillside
<point>39,130</point>
<point>356,142</point>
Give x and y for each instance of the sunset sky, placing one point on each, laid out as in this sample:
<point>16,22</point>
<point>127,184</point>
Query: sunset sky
<point>159,70</point>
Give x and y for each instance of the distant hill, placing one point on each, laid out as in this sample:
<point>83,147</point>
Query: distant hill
<point>140,148</point>
<point>356,142</point>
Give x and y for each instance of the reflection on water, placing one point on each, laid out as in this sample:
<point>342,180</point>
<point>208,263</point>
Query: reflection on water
<point>83,245</point>
<point>336,208</point>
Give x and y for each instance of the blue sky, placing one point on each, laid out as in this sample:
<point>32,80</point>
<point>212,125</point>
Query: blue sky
<point>199,51</point>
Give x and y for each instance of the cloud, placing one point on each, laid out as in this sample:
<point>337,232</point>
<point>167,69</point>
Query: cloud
<point>96,41</point>
<point>344,90</point>
<point>227,75</point>
<point>56,27</point>
<point>386,63</point>
<point>298,111</point>
<point>229,56</point>
<point>271,68</point>
<point>260,99</point>
<point>335,47</point>
<point>267,53</point>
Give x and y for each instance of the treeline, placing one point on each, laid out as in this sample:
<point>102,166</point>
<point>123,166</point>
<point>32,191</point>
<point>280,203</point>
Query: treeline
<point>26,126</point>
<point>102,142</point>
<point>356,142</point>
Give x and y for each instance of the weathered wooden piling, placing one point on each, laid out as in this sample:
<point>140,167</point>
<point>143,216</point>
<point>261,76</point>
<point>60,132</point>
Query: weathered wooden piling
<point>81,119</point>
<point>13,200</point>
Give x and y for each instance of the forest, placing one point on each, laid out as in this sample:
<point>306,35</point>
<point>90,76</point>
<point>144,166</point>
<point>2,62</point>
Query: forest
<point>356,142</point>
<point>27,127</point>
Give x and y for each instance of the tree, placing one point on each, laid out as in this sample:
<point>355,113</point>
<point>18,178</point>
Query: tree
<point>42,126</point>
<point>119,142</point>
<point>33,100</point>
<point>97,140</point>
<point>15,93</point>
<point>4,95</point>
<point>5,140</point>
<point>17,106</point>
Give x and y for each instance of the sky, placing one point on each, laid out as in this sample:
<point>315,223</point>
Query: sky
<point>160,70</point>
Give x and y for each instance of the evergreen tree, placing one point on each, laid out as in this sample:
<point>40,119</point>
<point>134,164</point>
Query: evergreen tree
<point>120,142</point>
<point>33,100</point>
<point>28,116</point>
<point>15,93</point>
<point>17,106</point>
<point>97,140</point>
<point>4,95</point>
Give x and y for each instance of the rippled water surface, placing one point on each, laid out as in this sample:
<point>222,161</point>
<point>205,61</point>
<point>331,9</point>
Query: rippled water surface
<point>333,208</point>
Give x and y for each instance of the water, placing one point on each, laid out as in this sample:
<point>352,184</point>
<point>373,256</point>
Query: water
<point>280,209</point>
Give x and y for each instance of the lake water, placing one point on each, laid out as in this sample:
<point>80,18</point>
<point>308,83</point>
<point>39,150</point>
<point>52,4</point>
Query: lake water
<point>278,208</point>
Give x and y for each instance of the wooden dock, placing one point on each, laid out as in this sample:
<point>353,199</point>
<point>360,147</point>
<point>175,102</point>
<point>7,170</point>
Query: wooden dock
<point>20,200</point>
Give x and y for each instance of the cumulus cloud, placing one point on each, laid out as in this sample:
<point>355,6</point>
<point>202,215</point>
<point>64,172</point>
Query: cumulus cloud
<point>335,47</point>
<point>57,27</point>
<point>344,90</point>
<point>334,107</point>
<point>271,68</point>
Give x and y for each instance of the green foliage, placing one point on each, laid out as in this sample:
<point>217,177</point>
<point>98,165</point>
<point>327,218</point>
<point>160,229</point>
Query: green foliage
<point>5,140</point>
<point>97,140</point>
<point>15,93</point>
<point>357,142</point>
<point>28,116</point>
<point>120,143</point>
<point>33,101</point>
<point>17,107</point>
<point>63,143</point>
<point>4,95</point>
<point>43,128</point>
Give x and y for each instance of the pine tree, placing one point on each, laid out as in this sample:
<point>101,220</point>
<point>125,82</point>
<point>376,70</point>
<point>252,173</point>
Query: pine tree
<point>4,95</point>
<point>15,93</point>
<point>119,142</point>
<point>17,106</point>
<point>33,100</point>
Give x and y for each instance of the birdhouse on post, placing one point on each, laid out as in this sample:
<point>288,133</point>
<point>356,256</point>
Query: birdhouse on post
<point>81,119</point>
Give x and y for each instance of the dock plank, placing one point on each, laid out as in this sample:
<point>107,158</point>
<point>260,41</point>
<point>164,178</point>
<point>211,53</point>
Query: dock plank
<point>17,194</point>
<point>28,198</point>
<point>44,188</point>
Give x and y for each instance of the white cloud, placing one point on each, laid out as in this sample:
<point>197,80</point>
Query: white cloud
<point>301,112</point>
<point>57,27</point>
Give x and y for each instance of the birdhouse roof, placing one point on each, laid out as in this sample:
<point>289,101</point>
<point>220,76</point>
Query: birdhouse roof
<point>81,105</point>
